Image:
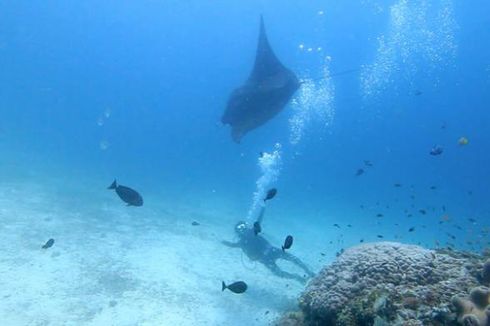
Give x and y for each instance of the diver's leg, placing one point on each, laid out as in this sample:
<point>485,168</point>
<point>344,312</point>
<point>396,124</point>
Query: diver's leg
<point>272,266</point>
<point>295,260</point>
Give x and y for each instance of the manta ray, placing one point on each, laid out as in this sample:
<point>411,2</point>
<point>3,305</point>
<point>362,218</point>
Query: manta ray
<point>266,92</point>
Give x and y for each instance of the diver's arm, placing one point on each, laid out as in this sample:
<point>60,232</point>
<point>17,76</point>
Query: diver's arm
<point>231,244</point>
<point>261,214</point>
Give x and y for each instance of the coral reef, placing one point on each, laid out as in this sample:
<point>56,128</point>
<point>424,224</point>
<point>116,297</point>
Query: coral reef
<point>485,274</point>
<point>475,310</point>
<point>389,283</point>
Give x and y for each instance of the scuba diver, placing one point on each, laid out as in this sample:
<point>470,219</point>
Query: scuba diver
<point>257,248</point>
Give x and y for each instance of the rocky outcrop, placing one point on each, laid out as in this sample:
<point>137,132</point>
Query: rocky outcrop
<point>390,283</point>
<point>474,310</point>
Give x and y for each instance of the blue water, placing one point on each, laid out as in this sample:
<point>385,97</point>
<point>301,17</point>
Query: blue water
<point>135,90</point>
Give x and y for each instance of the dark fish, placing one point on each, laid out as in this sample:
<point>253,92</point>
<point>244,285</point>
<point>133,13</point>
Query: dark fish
<point>472,220</point>
<point>266,92</point>
<point>194,223</point>
<point>270,194</point>
<point>409,215</point>
<point>48,244</point>
<point>322,253</point>
<point>379,215</point>
<point>359,172</point>
<point>417,92</point>
<point>288,242</point>
<point>362,240</point>
<point>128,195</point>
<point>349,225</point>
<point>436,150</point>
<point>336,225</point>
<point>397,185</point>
<point>257,227</point>
<point>237,287</point>
<point>451,236</point>
<point>422,211</point>
<point>411,229</point>
<point>443,208</point>
<point>380,236</point>
<point>368,163</point>
<point>433,187</point>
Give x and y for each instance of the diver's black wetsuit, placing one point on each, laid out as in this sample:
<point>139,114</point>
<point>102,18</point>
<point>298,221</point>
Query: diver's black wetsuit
<point>257,248</point>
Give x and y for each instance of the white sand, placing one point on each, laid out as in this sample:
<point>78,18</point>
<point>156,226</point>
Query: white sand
<point>118,265</point>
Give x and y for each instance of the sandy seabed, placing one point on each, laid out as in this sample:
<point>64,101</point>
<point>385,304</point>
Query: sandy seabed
<point>118,265</point>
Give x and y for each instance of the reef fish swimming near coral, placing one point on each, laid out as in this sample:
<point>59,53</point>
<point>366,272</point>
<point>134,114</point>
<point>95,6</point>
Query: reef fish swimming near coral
<point>268,89</point>
<point>237,287</point>
<point>128,195</point>
<point>270,194</point>
<point>436,150</point>
<point>48,244</point>
<point>288,242</point>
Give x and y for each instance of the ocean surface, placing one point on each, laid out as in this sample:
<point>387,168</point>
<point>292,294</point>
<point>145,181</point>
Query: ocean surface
<point>93,91</point>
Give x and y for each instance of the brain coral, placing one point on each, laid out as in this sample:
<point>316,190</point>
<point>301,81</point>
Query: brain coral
<point>389,283</point>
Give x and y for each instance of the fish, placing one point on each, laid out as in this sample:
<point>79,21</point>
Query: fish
<point>380,236</point>
<point>288,242</point>
<point>433,187</point>
<point>268,89</point>
<point>361,241</point>
<point>472,220</point>
<point>194,223</point>
<point>271,193</point>
<point>368,163</point>
<point>451,236</point>
<point>48,244</point>
<point>417,92</point>
<point>379,215</point>
<point>411,229</point>
<point>445,218</point>
<point>422,211</point>
<point>236,287</point>
<point>337,226</point>
<point>397,185</point>
<point>359,172</point>
<point>130,196</point>
<point>463,141</point>
<point>349,225</point>
<point>257,227</point>
<point>436,150</point>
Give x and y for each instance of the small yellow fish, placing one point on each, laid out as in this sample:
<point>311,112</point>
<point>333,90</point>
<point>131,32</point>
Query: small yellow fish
<point>463,141</point>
